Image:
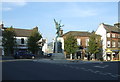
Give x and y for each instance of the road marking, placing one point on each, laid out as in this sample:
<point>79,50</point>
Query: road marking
<point>102,73</point>
<point>14,60</point>
<point>82,68</point>
<point>96,71</point>
<point>102,66</point>
<point>77,67</point>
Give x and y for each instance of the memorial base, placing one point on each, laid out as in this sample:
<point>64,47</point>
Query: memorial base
<point>58,56</point>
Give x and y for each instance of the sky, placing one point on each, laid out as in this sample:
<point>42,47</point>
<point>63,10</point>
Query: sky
<point>75,16</point>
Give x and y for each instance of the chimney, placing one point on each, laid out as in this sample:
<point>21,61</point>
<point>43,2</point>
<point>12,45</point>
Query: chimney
<point>117,25</point>
<point>36,28</point>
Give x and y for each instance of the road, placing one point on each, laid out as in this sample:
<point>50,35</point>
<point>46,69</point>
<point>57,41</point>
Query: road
<point>28,69</point>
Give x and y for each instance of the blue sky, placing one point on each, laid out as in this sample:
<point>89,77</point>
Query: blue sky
<point>76,16</point>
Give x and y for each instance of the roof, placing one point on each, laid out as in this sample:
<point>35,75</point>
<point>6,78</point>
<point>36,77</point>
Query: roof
<point>110,28</point>
<point>22,32</point>
<point>78,33</point>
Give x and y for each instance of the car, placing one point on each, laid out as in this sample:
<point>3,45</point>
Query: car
<point>24,54</point>
<point>49,55</point>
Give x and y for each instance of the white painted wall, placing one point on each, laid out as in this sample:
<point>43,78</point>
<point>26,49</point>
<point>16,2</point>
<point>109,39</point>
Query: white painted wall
<point>78,41</point>
<point>45,47</point>
<point>101,31</point>
<point>18,40</point>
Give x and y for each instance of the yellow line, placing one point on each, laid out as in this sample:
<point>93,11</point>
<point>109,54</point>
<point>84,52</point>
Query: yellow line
<point>13,60</point>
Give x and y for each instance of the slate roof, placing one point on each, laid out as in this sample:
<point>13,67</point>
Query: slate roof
<point>110,28</point>
<point>23,32</point>
<point>78,33</point>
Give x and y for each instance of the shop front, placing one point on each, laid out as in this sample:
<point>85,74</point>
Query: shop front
<point>112,54</point>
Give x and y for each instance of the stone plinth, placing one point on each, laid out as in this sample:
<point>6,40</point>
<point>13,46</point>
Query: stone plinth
<point>58,56</point>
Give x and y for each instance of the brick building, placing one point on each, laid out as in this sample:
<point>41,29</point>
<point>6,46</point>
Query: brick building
<point>82,41</point>
<point>110,40</point>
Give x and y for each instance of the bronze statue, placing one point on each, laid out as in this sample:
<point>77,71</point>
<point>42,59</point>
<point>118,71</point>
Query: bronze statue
<point>58,27</point>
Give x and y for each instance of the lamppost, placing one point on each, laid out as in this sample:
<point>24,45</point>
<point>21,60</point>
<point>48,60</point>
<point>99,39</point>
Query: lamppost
<point>58,27</point>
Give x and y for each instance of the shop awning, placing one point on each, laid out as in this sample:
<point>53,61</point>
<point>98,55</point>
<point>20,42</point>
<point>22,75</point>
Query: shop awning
<point>109,51</point>
<point>115,50</point>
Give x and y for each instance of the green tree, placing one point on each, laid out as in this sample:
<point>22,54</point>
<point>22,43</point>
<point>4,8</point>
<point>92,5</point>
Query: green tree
<point>94,44</point>
<point>70,45</point>
<point>32,41</point>
<point>9,41</point>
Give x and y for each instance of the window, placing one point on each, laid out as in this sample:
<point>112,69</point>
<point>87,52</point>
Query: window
<point>78,41</point>
<point>119,36</point>
<point>87,40</point>
<point>108,43</point>
<point>118,44</point>
<point>113,35</point>
<point>113,44</point>
<point>22,40</point>
<point>108,34</point>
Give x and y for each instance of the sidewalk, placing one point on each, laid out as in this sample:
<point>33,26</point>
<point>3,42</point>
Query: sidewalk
<point>65,61</point>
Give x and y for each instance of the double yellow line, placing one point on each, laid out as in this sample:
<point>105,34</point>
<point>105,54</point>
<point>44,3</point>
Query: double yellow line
<point>15,60</point>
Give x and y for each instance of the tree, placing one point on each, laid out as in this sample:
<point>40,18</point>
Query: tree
<point>94,44</point>
<point>32,41</point>
<point>9,41</point>
<point>70,45</point>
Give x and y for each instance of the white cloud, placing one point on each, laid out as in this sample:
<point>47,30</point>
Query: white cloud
<point>7,6</point>
<point>18,3</point>
<point>6,9</point>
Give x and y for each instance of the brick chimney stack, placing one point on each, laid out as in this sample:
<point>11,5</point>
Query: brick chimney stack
<point>36,28</point>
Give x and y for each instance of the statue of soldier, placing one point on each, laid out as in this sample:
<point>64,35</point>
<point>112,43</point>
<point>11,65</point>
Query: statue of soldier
<point>58,27</point>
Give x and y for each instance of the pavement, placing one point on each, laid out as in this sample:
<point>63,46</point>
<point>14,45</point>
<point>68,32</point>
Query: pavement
<point>68,61</point>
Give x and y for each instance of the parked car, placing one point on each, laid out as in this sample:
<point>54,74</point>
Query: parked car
<point>24,54</point>
<point>49,55</point>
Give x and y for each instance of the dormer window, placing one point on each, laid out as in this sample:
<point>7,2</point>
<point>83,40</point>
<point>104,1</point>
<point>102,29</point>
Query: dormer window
<point>22,40</point>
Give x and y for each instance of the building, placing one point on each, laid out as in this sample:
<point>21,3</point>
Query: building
<point>21,36</point>
<point>82,41</point>
<point>0,42</point>
<point>110,36</point>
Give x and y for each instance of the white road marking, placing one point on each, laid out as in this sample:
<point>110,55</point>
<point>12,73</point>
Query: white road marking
<point>96,71</point>
<point>102,66</point>
<point>85,69</point>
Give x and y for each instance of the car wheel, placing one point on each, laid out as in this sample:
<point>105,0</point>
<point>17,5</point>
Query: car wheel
<point>32,57</point>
